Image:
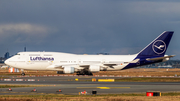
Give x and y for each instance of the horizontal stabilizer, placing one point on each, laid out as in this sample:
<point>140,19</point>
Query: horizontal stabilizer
<point>159,58</point>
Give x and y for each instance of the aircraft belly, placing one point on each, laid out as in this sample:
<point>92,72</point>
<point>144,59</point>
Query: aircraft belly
<point>32,66</point>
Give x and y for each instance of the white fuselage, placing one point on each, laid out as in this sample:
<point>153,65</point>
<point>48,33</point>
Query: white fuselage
<point>49,60</point>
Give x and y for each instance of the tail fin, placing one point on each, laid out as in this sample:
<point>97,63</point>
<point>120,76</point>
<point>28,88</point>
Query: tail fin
<point>158,47</point>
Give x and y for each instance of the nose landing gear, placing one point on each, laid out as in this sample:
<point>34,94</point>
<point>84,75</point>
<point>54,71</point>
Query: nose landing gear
<point>22,72</point>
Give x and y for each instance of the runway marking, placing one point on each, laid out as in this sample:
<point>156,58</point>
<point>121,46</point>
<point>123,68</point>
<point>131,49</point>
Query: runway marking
<point>103,87</point>
<point>86,76</point>
<point>85,87</point>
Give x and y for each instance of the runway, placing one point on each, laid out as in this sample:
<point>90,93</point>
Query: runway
<point>68,85</point>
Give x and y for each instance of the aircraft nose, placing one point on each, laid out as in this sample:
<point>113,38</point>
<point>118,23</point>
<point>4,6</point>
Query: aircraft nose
<point>6,62</point>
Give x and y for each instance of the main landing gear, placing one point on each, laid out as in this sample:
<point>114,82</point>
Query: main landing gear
<point>84,73</point>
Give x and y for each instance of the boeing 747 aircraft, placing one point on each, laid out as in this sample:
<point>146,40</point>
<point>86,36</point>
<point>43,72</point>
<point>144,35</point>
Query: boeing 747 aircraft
<point>87,64</point>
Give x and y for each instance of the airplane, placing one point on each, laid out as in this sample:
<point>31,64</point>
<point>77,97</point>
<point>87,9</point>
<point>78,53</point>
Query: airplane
<point>88,64</point>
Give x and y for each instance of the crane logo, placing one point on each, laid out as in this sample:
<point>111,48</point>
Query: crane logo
<point>159,47</point>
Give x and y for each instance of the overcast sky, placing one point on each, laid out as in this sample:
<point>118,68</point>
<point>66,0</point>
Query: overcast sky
<point>87,26</point>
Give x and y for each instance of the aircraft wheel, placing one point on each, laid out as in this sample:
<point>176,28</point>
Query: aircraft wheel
<point>80,73</point>
<point>89,73</point>
<point>23,74</point>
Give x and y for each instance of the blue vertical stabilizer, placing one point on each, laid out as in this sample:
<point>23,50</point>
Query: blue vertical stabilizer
<point>158,47</point>
<point>154,52</point>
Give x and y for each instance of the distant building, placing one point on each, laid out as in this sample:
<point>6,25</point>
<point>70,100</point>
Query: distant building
<point>2,59</point>
<point>6,55</point>
<point>24,49</point>
<point>166,64</point>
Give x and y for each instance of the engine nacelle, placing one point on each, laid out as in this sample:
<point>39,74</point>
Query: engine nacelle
<point>68,70</point>
<point>103,69</point>
<point>94,68</point>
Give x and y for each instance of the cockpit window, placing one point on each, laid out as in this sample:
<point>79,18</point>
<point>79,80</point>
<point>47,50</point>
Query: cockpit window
<point>17,54</point>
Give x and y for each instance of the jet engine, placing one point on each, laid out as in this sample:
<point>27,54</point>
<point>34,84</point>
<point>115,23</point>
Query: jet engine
<point>68,70</point>
<point>94,68</point>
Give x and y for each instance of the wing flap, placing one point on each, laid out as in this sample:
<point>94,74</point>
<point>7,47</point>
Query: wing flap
<point>108,64</point>
<point>55,67</point>
<point>61,66</point>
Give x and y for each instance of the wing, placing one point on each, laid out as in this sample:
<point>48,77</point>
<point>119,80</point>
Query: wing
<point>62,66</point>
<point>59,66</point>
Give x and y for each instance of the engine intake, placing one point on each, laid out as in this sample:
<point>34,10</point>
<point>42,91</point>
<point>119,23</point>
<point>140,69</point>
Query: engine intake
<point>68,70</point>
<point>94,68</point>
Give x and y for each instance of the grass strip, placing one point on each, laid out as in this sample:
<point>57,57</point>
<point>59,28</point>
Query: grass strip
<point>13,86</point>
<point>103,97</point>
<point>146,79</point>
